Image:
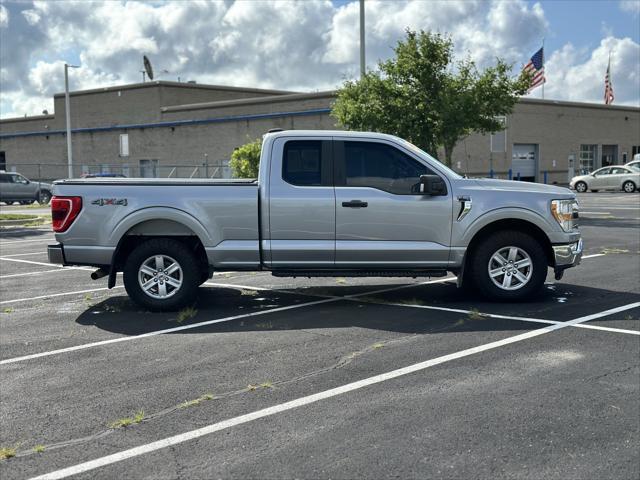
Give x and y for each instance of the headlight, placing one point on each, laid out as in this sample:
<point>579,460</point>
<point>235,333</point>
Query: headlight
<point>566,213</point>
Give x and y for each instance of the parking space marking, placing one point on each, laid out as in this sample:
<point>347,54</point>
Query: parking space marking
<point>13,275</point>
<point>53,295</point>
<point>45,264</point>
<point>506,317</point>
<point>25,254</point>
<point>199,324</point>
<point>594,255</point>
<point>27,241</point>
<point>316,397</point>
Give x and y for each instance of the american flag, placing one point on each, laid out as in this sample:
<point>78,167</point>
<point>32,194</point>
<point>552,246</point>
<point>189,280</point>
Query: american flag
<point>608,86</point>
<point>536,68</point>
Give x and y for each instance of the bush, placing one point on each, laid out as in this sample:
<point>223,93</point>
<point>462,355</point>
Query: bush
<point>245,160</point>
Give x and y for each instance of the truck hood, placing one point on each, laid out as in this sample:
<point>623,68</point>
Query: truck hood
<point>515,186</point>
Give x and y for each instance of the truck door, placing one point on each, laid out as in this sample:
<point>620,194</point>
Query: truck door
<point>382,221</point>
<point>302,208</point>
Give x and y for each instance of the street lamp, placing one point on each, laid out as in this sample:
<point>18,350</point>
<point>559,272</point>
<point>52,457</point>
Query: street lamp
<point>68,115</point>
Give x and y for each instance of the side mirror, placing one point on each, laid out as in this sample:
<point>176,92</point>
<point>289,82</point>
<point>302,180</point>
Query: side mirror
<point>432,185</point>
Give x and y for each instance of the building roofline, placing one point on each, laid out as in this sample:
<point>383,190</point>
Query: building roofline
<point>157,83</point>
<point>565,103</point>
<point>249,101</point>
<point>49,116</point>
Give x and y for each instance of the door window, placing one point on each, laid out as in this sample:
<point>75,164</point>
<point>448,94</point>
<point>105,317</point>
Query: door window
<point>5,178</point>
<point>601,172</point>
<point>305,163</point>
<point>381,166</point>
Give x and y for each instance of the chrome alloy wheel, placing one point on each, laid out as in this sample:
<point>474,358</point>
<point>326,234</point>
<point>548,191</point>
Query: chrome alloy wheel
<point>510,268</point>
<point>160,276</point>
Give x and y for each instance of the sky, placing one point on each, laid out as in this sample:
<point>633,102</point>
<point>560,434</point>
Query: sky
<point>306,45</point>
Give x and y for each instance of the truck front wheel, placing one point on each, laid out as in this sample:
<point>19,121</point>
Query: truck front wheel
<point>162,274</point>
<point>509,265</point>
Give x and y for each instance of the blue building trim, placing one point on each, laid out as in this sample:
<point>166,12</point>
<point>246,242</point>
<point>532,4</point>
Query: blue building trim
<point>175,123</point>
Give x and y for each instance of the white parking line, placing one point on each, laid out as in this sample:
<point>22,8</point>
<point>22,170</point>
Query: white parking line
<point>26,254</point>
<point>13,275</point>
<point>200,324</point>
<point>53,295</point>
<point>316,397</point>
<point>507,317</point>
<point>46,264</point>
<point>28,241</point>
<point>594,255</point>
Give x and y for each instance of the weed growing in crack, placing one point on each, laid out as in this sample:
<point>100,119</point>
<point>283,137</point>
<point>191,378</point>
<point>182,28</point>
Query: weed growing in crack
<point>186,313</point>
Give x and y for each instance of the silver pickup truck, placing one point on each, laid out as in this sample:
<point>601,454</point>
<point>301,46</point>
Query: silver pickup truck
<point>326,203</point>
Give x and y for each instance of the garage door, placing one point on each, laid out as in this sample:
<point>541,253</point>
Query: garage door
<point>524,162</point>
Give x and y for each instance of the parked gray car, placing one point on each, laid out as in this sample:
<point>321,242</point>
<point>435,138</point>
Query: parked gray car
<point>326,203</point>
<point>14,188</point>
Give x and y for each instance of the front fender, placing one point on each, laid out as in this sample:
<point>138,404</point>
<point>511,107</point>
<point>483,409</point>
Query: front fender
<point>510,213</point>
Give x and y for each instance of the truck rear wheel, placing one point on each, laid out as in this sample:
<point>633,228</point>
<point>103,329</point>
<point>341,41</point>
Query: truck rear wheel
<point>162,274</point>
<point>509,266</point>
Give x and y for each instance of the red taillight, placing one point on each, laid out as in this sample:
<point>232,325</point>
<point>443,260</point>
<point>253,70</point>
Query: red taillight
<point>64,211</point>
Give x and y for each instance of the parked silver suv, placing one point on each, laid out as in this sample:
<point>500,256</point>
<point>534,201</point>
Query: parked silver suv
<point>14,188</point>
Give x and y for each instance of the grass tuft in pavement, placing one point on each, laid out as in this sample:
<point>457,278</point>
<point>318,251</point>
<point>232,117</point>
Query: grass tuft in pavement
<point>186,313</point>
<point>39,448</point>
<point>128,421</point>
<point>7,452</point>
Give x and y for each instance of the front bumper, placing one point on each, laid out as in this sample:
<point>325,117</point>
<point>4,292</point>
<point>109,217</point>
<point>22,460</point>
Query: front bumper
<point>55,253</point>
<point>567,255</point>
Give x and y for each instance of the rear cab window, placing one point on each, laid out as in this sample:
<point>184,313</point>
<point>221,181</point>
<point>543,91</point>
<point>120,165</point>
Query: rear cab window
<point>307,163</point>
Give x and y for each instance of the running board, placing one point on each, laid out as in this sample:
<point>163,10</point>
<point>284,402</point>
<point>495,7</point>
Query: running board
<point>359,273</point>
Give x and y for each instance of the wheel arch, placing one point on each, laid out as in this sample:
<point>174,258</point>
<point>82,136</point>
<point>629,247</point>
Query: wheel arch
<point>137,229</point>
<point>516,224</point>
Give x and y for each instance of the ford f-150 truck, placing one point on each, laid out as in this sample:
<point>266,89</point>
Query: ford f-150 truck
<point>326,203</point>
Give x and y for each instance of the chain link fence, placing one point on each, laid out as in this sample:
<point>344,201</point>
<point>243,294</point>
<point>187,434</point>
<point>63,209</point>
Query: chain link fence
<point>47,172</point>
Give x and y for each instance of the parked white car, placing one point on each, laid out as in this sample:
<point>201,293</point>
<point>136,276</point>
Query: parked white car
<point>634,164</point>
<point>614,177</point>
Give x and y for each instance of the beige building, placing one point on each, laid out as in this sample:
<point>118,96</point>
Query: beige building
<point>170,129</point>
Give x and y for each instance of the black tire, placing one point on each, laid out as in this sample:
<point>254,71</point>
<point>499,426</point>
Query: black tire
<point>44,197</point>
<point>483,253</point>
<point>191,273</point>
<point>628,186</point>
<point>581,187</point>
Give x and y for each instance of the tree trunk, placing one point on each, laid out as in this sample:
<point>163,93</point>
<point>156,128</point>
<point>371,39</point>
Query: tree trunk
<point>448,152</point>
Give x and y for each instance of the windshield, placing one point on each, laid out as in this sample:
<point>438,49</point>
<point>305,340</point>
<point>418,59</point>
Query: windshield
<point>422,153</point>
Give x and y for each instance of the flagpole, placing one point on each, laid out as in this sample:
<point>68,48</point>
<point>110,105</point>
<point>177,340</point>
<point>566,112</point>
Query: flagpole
<point>545,72</point>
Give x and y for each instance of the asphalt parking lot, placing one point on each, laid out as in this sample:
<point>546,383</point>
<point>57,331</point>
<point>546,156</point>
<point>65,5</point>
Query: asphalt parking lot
<point>325,378</point>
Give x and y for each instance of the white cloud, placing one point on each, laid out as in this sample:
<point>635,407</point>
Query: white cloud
<point>630,6</point>
<point>303,46</point>
<point>577,74</point>
<point>4,16</point>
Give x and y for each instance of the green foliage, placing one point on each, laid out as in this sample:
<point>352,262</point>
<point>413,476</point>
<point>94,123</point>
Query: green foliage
<point>245,160</point>
<point>425,97</point>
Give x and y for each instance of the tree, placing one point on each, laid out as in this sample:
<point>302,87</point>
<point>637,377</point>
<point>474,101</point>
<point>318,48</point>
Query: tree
<point>245,160</point>
<point>423,96</point>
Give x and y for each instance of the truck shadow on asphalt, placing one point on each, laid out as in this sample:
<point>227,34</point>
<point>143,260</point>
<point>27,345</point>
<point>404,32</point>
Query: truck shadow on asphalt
<point>398,311</point>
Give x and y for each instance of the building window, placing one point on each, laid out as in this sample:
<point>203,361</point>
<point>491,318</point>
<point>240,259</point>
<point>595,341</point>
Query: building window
<point>124,145</point>
<point>588,157</point>
<point>3,161</point>
<point>635,150</point>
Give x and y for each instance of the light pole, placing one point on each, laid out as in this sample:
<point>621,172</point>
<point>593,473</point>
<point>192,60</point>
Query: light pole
<point>68,116</point>
<point>362,64</point>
